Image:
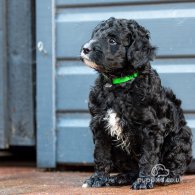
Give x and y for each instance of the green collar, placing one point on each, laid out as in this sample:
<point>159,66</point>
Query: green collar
<point>120,80</point>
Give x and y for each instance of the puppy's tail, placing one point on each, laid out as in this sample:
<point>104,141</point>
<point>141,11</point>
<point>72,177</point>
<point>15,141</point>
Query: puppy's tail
<point>171,96</point>
<point>178,116</point>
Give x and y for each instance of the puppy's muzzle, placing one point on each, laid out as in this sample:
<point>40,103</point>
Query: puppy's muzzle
<point>86,50</point>
<point>88,47</point>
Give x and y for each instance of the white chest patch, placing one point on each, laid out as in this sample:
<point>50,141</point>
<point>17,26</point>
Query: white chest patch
<point>113,124</point>
<point>115,130</point>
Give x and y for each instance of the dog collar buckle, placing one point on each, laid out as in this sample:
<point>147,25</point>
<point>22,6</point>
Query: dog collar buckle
<point>108,85</point>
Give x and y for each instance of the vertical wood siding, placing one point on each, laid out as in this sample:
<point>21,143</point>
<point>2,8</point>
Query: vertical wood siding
<point>46,111</point>
<point>3,78</point>
<point>20,82</point>
<point>16,74</point>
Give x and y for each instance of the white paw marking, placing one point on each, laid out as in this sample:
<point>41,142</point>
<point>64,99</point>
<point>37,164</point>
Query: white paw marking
<point>85,185</point>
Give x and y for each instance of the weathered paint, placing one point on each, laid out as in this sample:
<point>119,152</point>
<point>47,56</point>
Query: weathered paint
<point>168,22</point>
<point>172,27</point>
<point>16,74</point>
<point>46,111</point>
<point>20,73</point>
<point>3,78</point>
<point>75,143</point>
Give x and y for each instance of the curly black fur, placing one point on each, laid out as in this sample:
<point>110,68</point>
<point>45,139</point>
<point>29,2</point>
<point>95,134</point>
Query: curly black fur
<point>137,124</point>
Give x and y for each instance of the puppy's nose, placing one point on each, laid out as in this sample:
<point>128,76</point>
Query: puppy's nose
<point>86,50</point>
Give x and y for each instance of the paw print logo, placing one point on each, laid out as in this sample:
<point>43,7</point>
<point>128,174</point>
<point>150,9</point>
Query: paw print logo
<point>160,171</point>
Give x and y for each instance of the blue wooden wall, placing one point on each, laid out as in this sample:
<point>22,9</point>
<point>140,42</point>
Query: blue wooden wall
<point>3,78</point>
<point>64,82</point>
<point>20,63</point>
<point>17,124</point>
<point>46,108</point>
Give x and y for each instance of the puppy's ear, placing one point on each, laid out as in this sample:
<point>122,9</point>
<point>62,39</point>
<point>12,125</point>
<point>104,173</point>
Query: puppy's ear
<point>140,50</point>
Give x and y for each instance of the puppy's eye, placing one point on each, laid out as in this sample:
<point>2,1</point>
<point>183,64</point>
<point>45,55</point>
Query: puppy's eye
<point>112,41</point>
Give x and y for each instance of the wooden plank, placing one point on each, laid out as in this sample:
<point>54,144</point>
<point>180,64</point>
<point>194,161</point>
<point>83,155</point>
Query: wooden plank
<point>46,120</point>
<point>182,86</point>
<point>20,61</point>
<point>81,79</point>
<point>168,24</point>
<point>3,78</point>
<point>178,74</point>
<point>74,139</point>
<point>102,2</point>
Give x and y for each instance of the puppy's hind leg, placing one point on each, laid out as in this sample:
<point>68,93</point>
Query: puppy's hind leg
<point>122,179</point>
<point>178,154</point>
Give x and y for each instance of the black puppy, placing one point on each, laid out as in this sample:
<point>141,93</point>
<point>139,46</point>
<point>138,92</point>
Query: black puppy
<point>138,125</point>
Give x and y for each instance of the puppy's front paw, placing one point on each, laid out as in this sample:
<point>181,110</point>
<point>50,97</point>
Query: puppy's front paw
<point>96,180</point>
<point>143,183</point>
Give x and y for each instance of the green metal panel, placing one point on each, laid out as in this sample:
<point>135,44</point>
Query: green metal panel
<point>46,127</point>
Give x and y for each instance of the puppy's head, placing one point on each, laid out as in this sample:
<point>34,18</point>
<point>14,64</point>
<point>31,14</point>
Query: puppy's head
<point>118,46</point>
